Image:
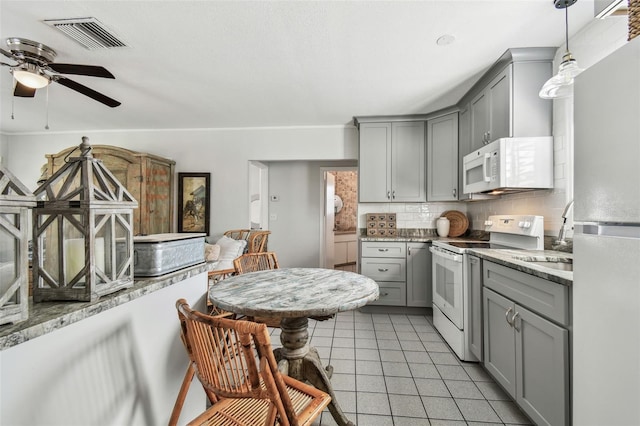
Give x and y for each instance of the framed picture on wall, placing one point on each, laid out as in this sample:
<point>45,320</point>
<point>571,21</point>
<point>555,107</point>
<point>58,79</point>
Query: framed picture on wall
<point>193,202</point>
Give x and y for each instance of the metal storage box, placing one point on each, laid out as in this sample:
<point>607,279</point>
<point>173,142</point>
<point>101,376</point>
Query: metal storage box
<point>160,254</point>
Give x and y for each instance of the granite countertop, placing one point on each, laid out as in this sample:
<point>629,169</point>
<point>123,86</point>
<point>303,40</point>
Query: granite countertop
<point>517,259</point>
<point>46,317</point>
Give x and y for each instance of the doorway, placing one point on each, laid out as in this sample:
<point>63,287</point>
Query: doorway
<point>339,240</point>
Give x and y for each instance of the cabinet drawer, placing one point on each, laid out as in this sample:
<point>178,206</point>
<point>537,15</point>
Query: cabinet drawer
<point>384,269</point>
<point>383,249</point>
<point>391,294</point>
<point>544,297</point>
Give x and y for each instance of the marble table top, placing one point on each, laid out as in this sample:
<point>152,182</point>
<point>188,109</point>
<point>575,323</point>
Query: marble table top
<point>294,292</point>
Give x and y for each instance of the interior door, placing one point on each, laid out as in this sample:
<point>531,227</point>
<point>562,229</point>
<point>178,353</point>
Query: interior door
<point>259,195</point>
<point>329,219</point>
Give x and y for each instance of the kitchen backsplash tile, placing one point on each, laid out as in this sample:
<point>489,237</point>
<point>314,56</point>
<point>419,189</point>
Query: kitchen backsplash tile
<point>409,215</point>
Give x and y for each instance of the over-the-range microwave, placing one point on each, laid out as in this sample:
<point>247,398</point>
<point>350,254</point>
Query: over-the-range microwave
<point>509,165</point>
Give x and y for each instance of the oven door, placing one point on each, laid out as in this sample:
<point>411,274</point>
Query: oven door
<point>447,284</point>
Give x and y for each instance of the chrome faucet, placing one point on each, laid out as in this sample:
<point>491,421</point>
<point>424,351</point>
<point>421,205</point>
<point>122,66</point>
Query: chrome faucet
<point>563,229</point>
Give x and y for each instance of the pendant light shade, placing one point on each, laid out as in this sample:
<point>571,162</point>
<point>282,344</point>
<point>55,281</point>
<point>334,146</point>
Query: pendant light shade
<point>561,84</point>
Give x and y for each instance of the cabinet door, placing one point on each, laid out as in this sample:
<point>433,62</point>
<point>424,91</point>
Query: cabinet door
<point>374,174</point>
<point>352,251</point>
<point>419,287</point>
<point>339,253</point>
<point>499,340</point>
<point>479,120</point>
<point>474,325</point>
<point>542,368</point>
<point>500,105</point>
<point>442,158</point>
<point>408,161</point>
<point>464,145</point>
<point>157,216</point>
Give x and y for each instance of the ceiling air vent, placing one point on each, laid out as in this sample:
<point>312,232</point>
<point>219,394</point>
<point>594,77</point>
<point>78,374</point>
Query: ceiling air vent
<point>89,32</point>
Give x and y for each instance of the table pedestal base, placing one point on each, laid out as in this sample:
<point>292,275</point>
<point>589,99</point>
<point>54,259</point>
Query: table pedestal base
<point>302,362</point>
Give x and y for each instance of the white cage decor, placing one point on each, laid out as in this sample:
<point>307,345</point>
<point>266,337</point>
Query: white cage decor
<point>15,202</point>
<point>82,232</point>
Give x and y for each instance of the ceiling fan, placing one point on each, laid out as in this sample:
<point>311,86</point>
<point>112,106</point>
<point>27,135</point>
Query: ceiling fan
<point>35,69</point>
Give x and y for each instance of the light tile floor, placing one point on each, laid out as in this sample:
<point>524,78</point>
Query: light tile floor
<point>395,370</point>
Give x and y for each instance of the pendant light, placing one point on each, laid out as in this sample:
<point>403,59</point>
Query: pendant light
<point>561,84</point>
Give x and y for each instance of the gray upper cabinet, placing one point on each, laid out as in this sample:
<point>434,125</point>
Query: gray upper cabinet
<point>374,174</point>
<point>392,162</point>
<point>442,158</point>
<point>505,101</point>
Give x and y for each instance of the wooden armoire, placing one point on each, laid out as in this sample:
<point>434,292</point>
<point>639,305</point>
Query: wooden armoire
<point>148,177</point>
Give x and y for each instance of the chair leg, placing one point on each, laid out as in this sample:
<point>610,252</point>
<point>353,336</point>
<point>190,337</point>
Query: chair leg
<point>182,395</point>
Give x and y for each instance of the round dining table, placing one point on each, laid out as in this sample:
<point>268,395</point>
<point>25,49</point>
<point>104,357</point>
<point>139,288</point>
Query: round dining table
<point>294,295</point>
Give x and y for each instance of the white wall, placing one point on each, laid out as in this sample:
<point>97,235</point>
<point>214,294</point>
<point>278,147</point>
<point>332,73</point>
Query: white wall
<point>121,366</point>
<point>592,43</point>
<point>3,149</point>
<point>225,153</point>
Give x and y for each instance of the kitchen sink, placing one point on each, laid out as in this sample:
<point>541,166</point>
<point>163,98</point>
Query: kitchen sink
<point>564,265</point>
<point>559,263</point>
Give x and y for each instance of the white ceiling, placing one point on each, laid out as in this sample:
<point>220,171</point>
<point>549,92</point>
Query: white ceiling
<point>222,64</point>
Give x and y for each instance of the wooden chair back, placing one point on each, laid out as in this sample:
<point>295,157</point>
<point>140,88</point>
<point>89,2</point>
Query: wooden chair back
<point>257,241</point>
<point>234,360</point>
<point>253,262</point>
<point>238,234</point>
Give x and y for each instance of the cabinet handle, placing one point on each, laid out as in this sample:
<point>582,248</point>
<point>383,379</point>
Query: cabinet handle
<point>473,260</point>
<point>506,316</point>
<point>388,195</point>
<point>408,251</point>
<point>383,269</point>
<point>393,194</point>
<point>488,136</point>
<point>454,192</point>
<point>513,321</point>
<point>383,250</point>
<point>384,294</point>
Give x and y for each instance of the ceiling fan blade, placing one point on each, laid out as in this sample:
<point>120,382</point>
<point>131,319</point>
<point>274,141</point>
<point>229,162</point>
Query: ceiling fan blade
<point>7,54</point>
<point>90,70</point>
<point>87,92</point>
<point>23,91</point>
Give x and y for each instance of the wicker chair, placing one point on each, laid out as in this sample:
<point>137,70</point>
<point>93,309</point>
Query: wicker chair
<point>234,361</point>
<point>254,262</point>
<point>188,378</point>
<point>256,240</point>
<point>238,234</point>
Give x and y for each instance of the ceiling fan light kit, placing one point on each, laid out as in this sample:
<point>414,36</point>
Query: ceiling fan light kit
<point>35,69</point>
<point>29,76</point>
<point>561,84</point>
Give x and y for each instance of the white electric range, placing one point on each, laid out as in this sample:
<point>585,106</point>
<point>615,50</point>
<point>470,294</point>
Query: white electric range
<point>451,284</point>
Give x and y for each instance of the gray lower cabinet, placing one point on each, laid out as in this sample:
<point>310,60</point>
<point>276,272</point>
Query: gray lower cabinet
<point>419,291</point>
<point>402,271</point>
<point>474,327</point>
<point>525,351</point>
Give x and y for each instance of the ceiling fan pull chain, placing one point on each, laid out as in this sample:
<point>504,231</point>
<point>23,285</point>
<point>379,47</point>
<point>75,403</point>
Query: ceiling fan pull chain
<point>46,126</point>
<point>13,98</point>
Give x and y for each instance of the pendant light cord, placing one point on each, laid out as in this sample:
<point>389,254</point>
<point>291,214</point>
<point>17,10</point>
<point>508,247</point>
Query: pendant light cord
<point>566,25</point>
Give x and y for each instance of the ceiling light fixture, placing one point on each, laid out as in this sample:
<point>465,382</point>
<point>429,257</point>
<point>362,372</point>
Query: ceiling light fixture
<point>561,84</point>
<point>445,40</point>
<point>30,75</point>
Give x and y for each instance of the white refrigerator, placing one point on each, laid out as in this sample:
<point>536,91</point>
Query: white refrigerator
<point>606,287</point>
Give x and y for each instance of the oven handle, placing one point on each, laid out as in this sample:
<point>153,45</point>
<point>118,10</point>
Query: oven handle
<point>446,254</point>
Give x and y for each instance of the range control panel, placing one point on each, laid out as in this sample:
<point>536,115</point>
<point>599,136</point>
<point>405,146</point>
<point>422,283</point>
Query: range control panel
<point>526,230</point>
